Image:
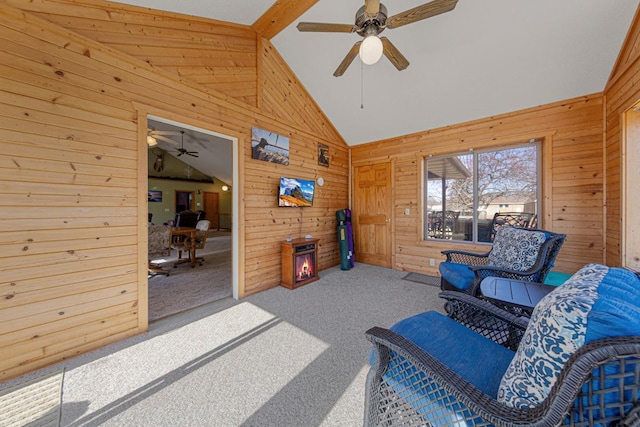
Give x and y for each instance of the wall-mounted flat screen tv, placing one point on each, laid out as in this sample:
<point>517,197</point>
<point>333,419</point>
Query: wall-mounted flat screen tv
<point>294,192</point>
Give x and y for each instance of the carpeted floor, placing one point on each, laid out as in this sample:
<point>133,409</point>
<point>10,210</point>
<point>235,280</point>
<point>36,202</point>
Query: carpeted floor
<point>187,287</point>
<point>278,358</point>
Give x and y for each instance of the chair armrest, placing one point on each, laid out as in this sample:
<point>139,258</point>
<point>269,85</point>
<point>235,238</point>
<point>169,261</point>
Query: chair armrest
<point>405,383</point>
<point>484,271</point>
<point>464,257</point>
<point>486,319</point>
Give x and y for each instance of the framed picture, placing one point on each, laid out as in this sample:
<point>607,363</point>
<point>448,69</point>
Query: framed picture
<point>154,196</point>
<point>269,146</point>
<point>323,155</point>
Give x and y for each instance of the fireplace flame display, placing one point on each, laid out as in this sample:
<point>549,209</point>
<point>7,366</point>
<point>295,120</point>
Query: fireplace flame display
<point>304,267</point>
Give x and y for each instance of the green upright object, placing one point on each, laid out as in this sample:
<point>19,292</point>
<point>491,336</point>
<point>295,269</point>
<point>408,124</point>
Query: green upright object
<point>345,261</point>
<point>341,216</point>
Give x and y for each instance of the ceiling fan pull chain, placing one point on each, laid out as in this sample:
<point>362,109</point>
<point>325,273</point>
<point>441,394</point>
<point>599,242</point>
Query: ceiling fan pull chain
<point>361,85</point>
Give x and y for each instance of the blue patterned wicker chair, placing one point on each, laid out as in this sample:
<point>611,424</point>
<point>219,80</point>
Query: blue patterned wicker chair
<point>576,361</point>
<point>517,253</point>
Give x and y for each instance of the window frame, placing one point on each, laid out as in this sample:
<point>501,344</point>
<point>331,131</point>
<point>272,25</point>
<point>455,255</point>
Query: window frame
<point>535,142</point>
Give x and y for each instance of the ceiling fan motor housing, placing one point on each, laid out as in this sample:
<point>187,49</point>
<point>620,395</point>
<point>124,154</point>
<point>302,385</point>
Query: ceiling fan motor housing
<point>370,24</point>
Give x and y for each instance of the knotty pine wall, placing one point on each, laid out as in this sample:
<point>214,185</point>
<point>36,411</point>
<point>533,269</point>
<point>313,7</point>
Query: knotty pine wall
<point>621,93</point>
<point>573,182</point>
<point>73,166</point>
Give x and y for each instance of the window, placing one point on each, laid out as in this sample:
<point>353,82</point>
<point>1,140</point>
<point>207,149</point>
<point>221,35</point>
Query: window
<point>465,192</point>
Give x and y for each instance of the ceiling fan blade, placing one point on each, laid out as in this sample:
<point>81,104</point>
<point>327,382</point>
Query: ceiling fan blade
<point>393,54</point>
<point>164,132</point>
<point>348,59</point>
<point>165,139</point>
<point>372,6</point>
<point>325,28</point>
<point>193,155</point>
<point>418,13</point>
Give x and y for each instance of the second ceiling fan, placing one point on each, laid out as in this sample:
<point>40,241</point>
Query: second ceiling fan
<point>371,20</point>
<point>183,150</point>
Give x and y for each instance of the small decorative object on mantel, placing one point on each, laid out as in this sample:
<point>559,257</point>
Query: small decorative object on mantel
<point>323,155</point>
<point>269,146</point>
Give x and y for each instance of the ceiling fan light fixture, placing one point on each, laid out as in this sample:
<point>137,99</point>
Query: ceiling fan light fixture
<point>151,141</point>
<point>371,50</point>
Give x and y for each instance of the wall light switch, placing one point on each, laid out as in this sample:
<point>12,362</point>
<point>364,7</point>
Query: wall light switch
<point>407,211</point>
<point>166,210</point>
<point>432,262</point>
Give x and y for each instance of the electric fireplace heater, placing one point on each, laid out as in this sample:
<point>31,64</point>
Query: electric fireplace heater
<point>299,262</point>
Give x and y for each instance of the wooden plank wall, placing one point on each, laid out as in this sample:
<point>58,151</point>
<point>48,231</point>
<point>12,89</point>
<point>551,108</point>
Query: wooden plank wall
<point>217,55</point>
<point>573,176</point>
<point>621,93</point>
<point>73,178</point>
<point>284,96</point>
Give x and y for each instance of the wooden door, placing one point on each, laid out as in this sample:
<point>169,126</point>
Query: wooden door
<point>210,202</point>
<point>372,214</point>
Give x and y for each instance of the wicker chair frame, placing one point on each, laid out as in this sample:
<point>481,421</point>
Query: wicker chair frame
<point>577,398</point>
<point>477,262</point>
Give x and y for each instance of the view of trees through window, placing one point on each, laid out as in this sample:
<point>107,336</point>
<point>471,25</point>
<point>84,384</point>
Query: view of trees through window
<point>468,194</point>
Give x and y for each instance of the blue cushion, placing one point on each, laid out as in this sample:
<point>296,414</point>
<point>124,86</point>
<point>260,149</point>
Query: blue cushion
<point>481,361</point>
<point>516,248</point>
<point>616,312</point>
<point>459,275</point>
<point>595,303</point>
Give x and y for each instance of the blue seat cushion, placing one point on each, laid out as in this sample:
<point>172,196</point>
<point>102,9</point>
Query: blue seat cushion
<point>459,275</point>
<point>475,358</point>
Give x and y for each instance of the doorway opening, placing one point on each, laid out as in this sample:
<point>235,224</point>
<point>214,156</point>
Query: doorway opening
<point>630,235</point>
<point>184,201</point>
<point>187,182</point>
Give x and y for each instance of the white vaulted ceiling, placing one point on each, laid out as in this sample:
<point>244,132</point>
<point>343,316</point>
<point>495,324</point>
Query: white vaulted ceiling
<point>485,57</point>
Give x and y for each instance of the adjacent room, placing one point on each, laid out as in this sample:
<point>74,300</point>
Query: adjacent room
<point>182,181</point>
<point>215,210</point>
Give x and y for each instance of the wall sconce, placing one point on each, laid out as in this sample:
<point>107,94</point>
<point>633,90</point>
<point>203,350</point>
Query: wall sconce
<point>198,191</point>
<point>225,188</point>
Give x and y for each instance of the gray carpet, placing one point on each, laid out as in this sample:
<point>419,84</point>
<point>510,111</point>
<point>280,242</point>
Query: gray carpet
<point>187,287</point>
<point>279,358</point>
<point>423,278</point>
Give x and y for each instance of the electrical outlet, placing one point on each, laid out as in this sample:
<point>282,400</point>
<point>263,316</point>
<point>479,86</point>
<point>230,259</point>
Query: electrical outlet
<point>432,262</point>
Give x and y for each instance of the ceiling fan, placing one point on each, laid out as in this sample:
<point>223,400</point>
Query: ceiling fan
<point>371,20</point>
<point>153,135</point>
<point>183,150</point>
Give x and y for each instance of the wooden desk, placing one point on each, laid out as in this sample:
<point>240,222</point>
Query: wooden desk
<point>190,233</point>
<point>516,296</point>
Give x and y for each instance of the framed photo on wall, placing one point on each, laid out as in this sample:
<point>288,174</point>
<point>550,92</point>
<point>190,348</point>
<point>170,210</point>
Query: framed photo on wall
<point>269,146</point>
<point>154,196</point>
<point>323,154</point>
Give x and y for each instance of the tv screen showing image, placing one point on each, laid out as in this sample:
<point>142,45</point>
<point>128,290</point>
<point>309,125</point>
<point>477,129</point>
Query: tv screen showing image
<point>154,196</point>
<point>295,192</point>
